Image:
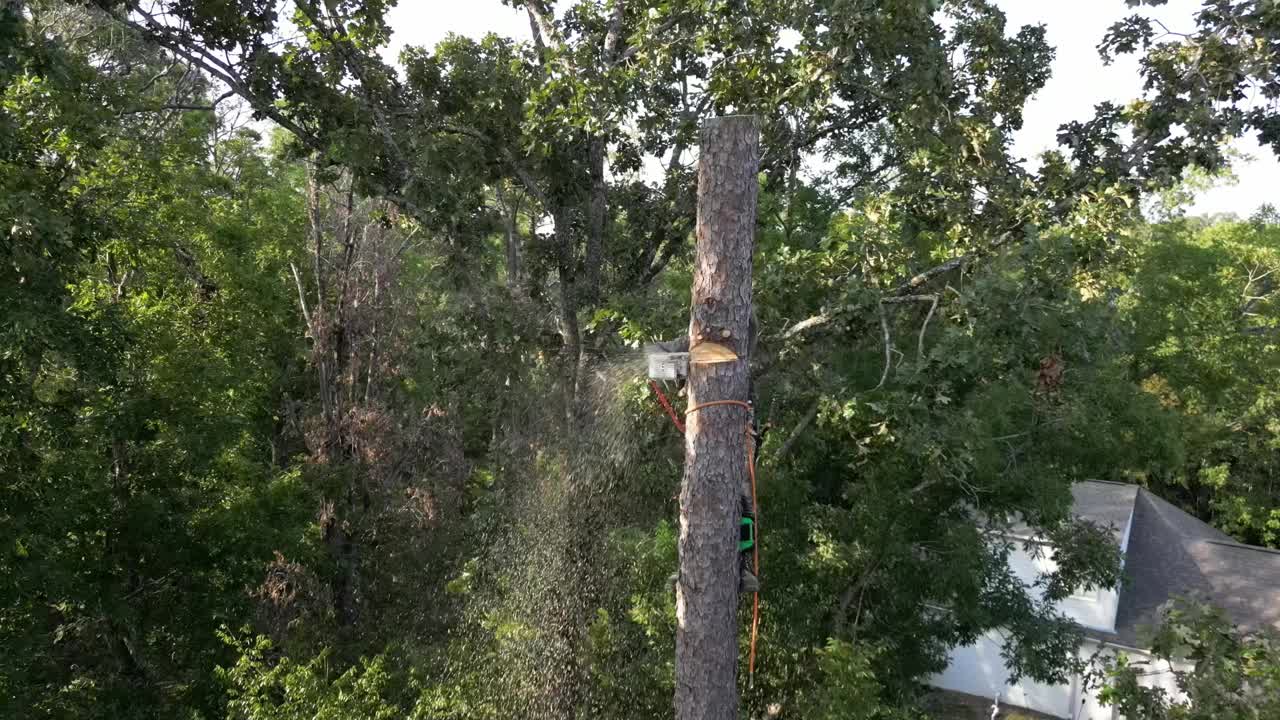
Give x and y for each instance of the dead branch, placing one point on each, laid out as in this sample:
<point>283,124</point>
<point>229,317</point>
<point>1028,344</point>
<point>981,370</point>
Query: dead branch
<point>933,306</point>
<point>302,294</point>
<point>888,346</point>
<point>799,430</point>
<point>907,287</point>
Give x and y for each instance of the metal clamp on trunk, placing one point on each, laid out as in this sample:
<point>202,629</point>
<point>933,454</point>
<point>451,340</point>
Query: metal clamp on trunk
<point>747,532</point>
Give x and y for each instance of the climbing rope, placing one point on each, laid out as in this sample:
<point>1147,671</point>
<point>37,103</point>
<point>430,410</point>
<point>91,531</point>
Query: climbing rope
<point>755,507</point>
<point>755,556</point>
<point>666,405</point>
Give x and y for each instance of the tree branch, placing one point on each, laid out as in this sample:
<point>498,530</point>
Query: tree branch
<point>182,106</point>
<point>336,34</point>
<point>302,295</point>
<point>888,346</point>
<point>923,327</point>
<point>522,174</point>
<point>611,36</point>
<point>222,71</point>
<point>540,17</point>
<point>906,287</point>
<point>796,433</point>
<point>630,52</point>
<point>536,31</point>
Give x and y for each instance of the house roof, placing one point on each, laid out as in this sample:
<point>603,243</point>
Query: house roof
<point>1172,553</point>
<point>1109,504</point>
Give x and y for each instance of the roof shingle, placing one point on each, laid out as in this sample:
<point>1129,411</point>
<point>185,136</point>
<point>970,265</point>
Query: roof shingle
<point>1172,553</point>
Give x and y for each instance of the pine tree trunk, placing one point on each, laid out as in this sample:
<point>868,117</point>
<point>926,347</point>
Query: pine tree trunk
<point>715,444</point>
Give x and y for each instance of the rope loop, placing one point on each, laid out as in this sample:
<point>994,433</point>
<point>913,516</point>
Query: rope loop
<point>740,403</point>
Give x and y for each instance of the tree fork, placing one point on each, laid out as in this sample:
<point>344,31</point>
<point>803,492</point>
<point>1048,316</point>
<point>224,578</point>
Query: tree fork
<point>715,440</point>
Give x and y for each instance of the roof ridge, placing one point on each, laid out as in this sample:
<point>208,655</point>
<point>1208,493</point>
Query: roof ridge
<point>1161,506</point>
<point>1244,546</point>
<point>1112,482</point>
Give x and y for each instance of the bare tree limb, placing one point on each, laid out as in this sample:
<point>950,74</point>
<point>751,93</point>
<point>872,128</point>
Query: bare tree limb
<point>804,325</point>
<point>888,346</point>
<point>302,294</point>
<point>924,327</point>
<point>182,106</point>
<point>932,299</point>
<point>909,286</point>
<point>797,432</point>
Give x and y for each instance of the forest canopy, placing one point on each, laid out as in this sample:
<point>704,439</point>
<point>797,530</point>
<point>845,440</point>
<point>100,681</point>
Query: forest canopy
<point>321,393</point>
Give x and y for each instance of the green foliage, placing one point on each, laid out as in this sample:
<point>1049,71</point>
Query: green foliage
<point>141,353</point>
<point>1202,305</point>
<point>848,686</point>
<point>316,385</point>
<point>1196,79</point>
<point>1220,670</point>
<point>260,689</point>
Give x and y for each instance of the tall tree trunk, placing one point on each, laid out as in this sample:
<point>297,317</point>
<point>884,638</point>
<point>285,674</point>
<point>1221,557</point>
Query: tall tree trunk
<point>715,440</point>
<point>596,211</point>
<point>597,205</point>
<point>121,629</point>
<point>569,330</point>
<point>510,203</point>
<point>332,353</point>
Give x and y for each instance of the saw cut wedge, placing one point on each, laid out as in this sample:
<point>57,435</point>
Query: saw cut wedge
<point>709,353</point>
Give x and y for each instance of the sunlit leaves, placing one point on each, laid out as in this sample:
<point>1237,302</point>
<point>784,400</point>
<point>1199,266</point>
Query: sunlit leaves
<point>1220,670</point>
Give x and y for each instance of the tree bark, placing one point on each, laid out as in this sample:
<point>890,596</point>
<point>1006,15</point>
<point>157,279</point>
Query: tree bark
<point>569,330</point>
<point>715,444</point>
<point>510,203</point>
<point>597,207</point>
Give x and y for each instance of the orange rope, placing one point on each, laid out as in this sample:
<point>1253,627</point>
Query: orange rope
<point>755,546</point>
<point>755,551</point>
<point>713,403</point>
<point>666,405</point>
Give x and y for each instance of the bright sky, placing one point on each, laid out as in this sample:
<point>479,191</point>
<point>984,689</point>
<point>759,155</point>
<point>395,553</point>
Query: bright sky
<point>1079,80</point>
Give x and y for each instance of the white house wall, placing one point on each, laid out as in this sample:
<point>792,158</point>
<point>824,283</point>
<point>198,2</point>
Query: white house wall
<point>1154,674</point>
<point>1095,609</point>
<point>979,669</point>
